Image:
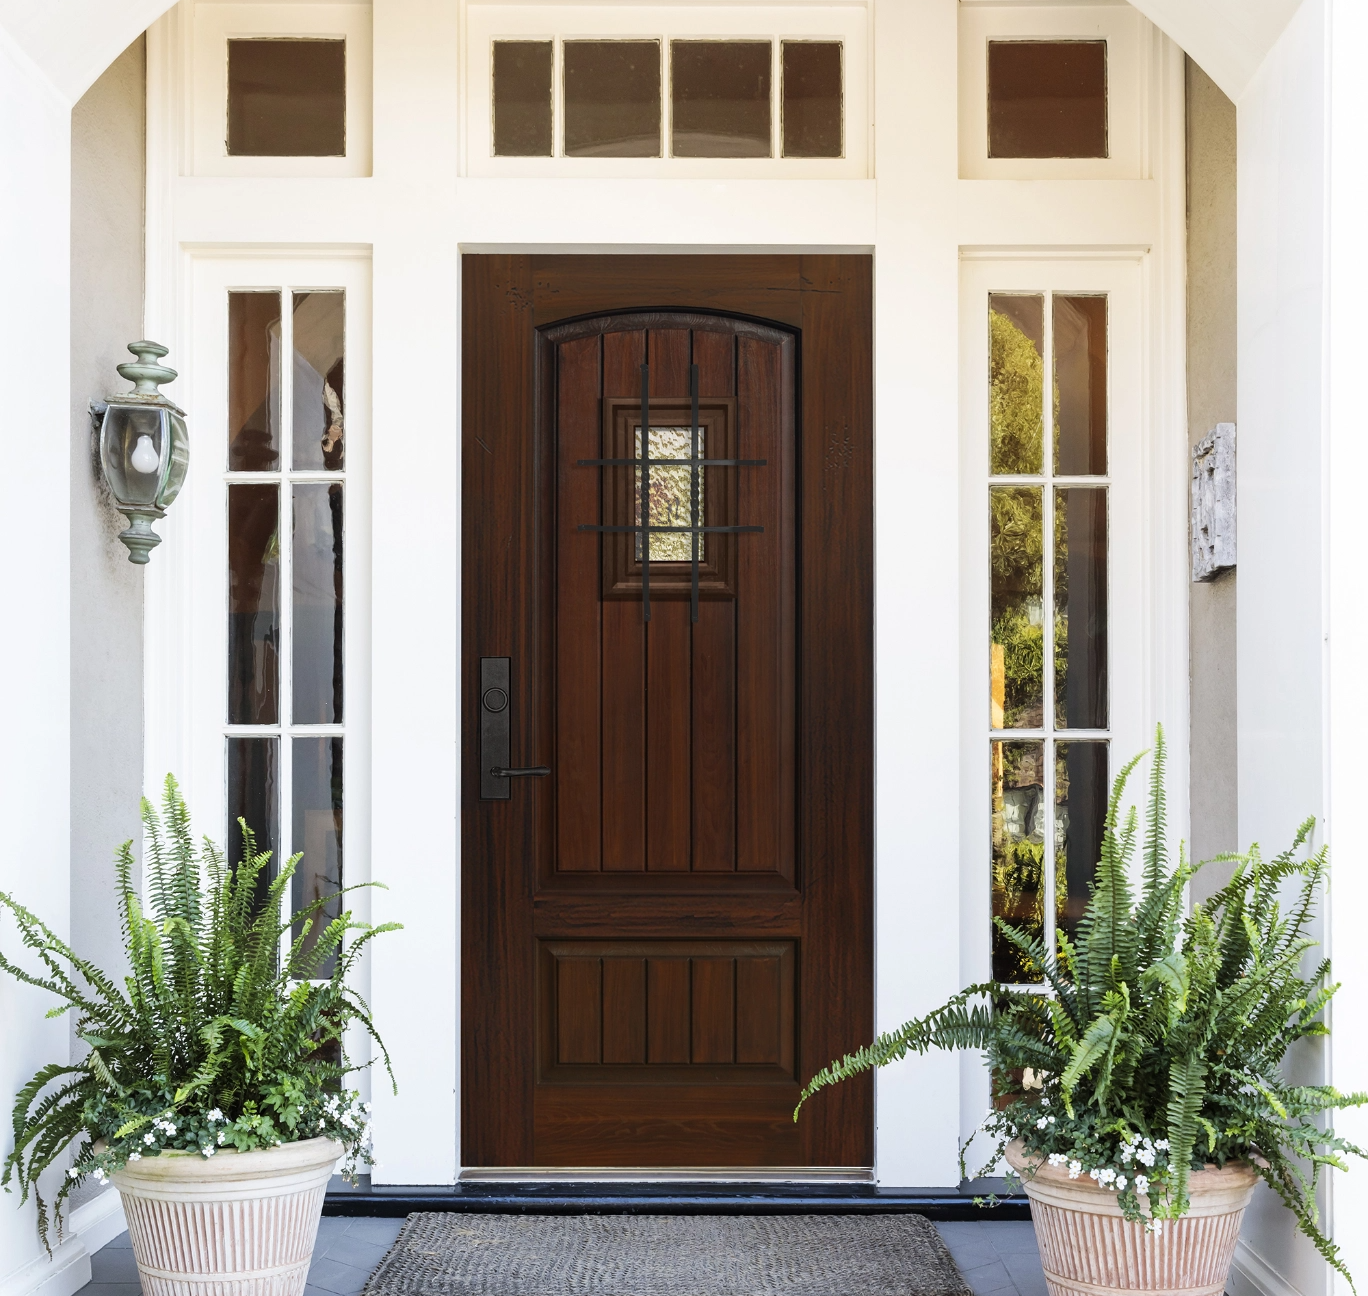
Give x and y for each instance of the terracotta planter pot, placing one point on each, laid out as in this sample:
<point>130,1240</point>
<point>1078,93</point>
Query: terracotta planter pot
<point>1088,1248</point>
<point>236,1224</point>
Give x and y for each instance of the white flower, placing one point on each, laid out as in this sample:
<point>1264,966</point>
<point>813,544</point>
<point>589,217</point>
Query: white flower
<point>1075,1169</point>
<point>1052,1120</point>
<point>216,1115</point>
<point>1141,1184</point>
<point>365,1107</point>
<point>1044,1102</point>
<point>1057,1158</point>
<point>321,1122</point>
<point>73,1173</point>
<point>100,1176</point>
<point>1145,1156</point>
<point>1163,1146</point>
<point>1120,1183</point>
<point>221,1137</point>
<point>149,1139</point>
<point>135,1156</point>
<point>208,1152</point>
<point>1155,1226</point>
<point>170,1128</point>
<point>1041,1123</point>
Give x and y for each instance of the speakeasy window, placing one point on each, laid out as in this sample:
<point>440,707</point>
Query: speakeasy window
<point>1048,491</point>
<point>286,706</point>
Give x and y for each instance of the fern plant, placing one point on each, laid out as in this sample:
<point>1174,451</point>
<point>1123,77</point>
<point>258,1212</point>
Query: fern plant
<point>214,1039</point>
<point>1156,1041</point>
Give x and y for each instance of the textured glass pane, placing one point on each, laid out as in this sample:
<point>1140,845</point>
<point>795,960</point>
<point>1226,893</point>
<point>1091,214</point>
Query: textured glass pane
<point>317,578</point>
<point>254,796</point>
<point>670,504</point>
<point>1018,827</point>
<point>1047,99</point>
<point>1080,375</point>
<point>287,98</point>
<point>1016,383</point>
<point>319,320</point>
<point>720,97</point>
<point>317,831</point>
<point>1080,598</point>
<point>253,381</point>
<point>812,108</point>
<point>612,98</point>
<point>1018,620</point>
<point>1080,812</point>
<point>522,98</point>
<point>253,603</point>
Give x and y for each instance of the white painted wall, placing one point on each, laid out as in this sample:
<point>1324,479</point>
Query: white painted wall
<point>1300,618</point>
<point>34,654</point>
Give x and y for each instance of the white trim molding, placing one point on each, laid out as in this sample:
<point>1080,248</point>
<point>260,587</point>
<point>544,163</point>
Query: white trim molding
<point>91,1225</point>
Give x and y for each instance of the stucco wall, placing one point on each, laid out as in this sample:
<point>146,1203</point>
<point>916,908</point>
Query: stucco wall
<point>1211,350</point>
<point>107,157</point>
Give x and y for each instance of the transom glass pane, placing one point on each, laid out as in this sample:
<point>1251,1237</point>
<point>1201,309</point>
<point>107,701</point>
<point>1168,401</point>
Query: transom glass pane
<point>720,98</point>
<point>1047,99</point>
<point>522,98</point>
<point>669,497</point>
<point>287,97</point>
<point>813,99</point>
<point>612,98</point>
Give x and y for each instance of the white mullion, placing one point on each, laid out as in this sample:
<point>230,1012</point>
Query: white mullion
<point>286,541</point>
<point>776,96</point>
<point>1047,555</point>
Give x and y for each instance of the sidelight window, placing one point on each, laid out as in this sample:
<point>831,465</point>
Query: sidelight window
<point>286,499</point>
<point>1048,493</point>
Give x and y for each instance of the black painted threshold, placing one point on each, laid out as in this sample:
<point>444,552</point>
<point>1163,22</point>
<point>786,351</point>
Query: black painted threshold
<point>680,1198</point>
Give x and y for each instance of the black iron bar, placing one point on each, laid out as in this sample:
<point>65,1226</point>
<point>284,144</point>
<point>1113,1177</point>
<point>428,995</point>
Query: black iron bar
<point>693,489</point>
<point>646,492</point>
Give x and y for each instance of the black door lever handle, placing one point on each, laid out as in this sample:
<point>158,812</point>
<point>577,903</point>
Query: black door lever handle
<point>501,771</point>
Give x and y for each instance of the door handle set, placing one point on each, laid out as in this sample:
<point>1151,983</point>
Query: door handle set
<point>496,707</point>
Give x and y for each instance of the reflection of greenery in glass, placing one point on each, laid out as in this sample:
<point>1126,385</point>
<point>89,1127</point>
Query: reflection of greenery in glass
<point>1018,867</point>
<point>1018,630</point>
<point>669,495</point>
<point>1016,398</point>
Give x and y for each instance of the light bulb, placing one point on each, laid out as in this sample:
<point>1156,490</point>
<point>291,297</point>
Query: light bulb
<point>144,458</point>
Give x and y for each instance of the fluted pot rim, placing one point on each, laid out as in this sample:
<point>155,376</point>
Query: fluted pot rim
<point>1214,1190</point>
<point>185,1166</point>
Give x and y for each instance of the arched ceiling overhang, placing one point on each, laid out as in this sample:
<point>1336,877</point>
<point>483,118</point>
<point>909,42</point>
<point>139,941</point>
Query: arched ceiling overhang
<point>73,41</point>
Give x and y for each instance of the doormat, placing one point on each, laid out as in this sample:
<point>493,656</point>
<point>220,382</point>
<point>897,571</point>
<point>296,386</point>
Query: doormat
<point>442,1254</point>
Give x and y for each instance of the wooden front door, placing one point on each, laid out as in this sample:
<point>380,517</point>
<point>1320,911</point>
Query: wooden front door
<point>672,928</point>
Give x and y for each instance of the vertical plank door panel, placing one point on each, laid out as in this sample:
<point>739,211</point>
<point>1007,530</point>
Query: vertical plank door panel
<point>579,1010</point>
<point>714,1009</point>
<point>668,353</point>
<point>579,842</point>
<point>624,1010</point>
<point>669,781</point>
<point>757,1010</point>
<point>667,1010</point>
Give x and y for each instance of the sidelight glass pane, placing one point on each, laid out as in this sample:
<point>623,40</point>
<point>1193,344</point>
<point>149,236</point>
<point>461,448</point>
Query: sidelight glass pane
<point>670,503</point>
<point>522,98</point>
<point>1080,599</point>
<point>1018,607</point>
<point>612,98</point>
<point>317,625</point>
<point>1080,385</point>
<point>287,97</point>
<point>319,332</point>
<point>720,98</point>
<point>316,786</point>
<point>1047,99</point>
<point>1018,830</point>
<point>1080,813</point>
<point>813,99</point>
<point>253,603</point>
<point>1016,383</point>
<point>253,381</point>
<point>254,796</point>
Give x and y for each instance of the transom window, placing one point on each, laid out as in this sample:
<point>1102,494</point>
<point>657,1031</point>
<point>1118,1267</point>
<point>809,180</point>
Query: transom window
<point>286,705</point>
<point>1048,490</point>
<point>651,98</point>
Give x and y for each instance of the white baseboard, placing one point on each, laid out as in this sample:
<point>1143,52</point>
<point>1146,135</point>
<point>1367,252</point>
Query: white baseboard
<point>1252,1275</point>
<point>67,1270</point>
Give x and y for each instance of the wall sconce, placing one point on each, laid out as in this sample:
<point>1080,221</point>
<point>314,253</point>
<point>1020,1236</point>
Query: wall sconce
<point>144,448</point>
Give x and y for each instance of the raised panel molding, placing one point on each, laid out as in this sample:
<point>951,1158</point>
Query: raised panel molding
<point>666,1012</point>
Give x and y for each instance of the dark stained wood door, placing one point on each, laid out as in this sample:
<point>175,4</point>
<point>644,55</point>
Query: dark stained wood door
<point>664,936</point>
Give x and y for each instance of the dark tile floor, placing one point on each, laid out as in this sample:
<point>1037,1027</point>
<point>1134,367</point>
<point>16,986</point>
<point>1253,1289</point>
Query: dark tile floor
<point>997,1259</point>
